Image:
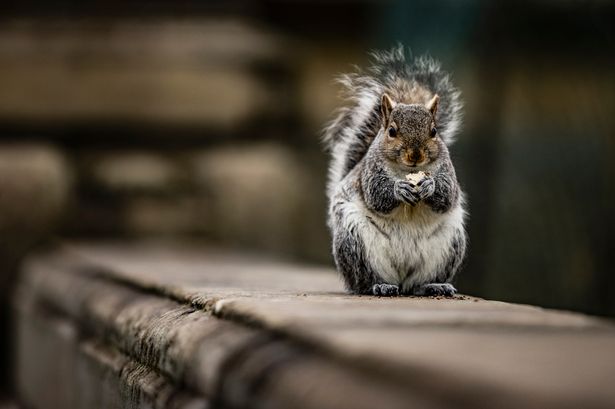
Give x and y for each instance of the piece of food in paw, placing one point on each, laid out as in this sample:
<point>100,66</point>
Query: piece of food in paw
<point>416,177</point>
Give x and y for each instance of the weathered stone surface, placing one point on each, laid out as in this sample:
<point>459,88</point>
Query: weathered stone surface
<point>246,332</point>
<point>217,358</point>
<point>350,311</point>
<point>162,333</point>
<point>127,383</point>
<point>193,273</point>
<point>278,375</point>
<point>60,367</point>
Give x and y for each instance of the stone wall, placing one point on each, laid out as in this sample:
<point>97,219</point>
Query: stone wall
<point>117,325</point>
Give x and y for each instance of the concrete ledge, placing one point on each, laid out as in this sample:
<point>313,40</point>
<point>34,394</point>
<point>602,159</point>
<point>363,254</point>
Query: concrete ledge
<point>156,326</point>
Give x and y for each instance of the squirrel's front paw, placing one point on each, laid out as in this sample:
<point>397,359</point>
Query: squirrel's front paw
<point>426,187</point>
<point>406,192</point>
<point>434,290</point>
<point>385,290</point>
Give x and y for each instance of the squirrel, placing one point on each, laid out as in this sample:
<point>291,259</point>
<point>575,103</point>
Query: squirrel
<point>396,211</point>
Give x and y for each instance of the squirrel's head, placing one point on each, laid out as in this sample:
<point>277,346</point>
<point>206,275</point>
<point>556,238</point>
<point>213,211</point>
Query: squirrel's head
<point>410,136</point>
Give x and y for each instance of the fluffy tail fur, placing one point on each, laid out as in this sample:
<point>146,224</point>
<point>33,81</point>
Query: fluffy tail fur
<point>406,80</point>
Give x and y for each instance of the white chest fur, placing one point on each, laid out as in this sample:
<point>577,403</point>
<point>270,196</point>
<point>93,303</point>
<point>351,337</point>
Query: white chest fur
<point>410,246</point>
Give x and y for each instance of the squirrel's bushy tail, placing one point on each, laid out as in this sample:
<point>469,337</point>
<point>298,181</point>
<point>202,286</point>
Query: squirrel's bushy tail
<point>354,128</point>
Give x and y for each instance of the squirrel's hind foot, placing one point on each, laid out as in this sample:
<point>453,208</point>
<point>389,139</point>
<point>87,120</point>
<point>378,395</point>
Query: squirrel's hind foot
<point>435,289</point>
<point>385,290</point>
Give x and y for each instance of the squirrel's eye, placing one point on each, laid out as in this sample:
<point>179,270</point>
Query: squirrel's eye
<point>392,132</point>
<point>433,132</point>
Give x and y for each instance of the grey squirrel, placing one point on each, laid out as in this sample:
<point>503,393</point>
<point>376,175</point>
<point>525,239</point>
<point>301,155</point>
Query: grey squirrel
<point>396,211</point>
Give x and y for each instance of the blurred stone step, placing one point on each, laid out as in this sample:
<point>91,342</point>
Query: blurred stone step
<point>257,194</point>
<point>242,331</point>
<point>35,186</point>
<point>190,72</point>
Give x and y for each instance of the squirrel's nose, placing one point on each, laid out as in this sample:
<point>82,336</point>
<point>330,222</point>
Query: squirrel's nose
<point>415,155</point>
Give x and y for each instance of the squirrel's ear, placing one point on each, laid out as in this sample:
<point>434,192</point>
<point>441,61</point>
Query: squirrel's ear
<point>432,105</point>
<point>386,106</point>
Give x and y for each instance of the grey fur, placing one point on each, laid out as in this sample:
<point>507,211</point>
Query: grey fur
<point>378,187</point>
<point>392,236</point>
<point>351,260</point>
<point>446,191</point>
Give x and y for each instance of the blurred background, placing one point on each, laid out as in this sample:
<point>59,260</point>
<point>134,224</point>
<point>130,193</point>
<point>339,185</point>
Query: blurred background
<point>192,120</point>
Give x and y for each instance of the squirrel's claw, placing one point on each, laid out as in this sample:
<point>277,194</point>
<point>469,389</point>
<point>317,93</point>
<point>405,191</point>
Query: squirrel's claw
<point>406,192</point>
<point>426,187</point>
